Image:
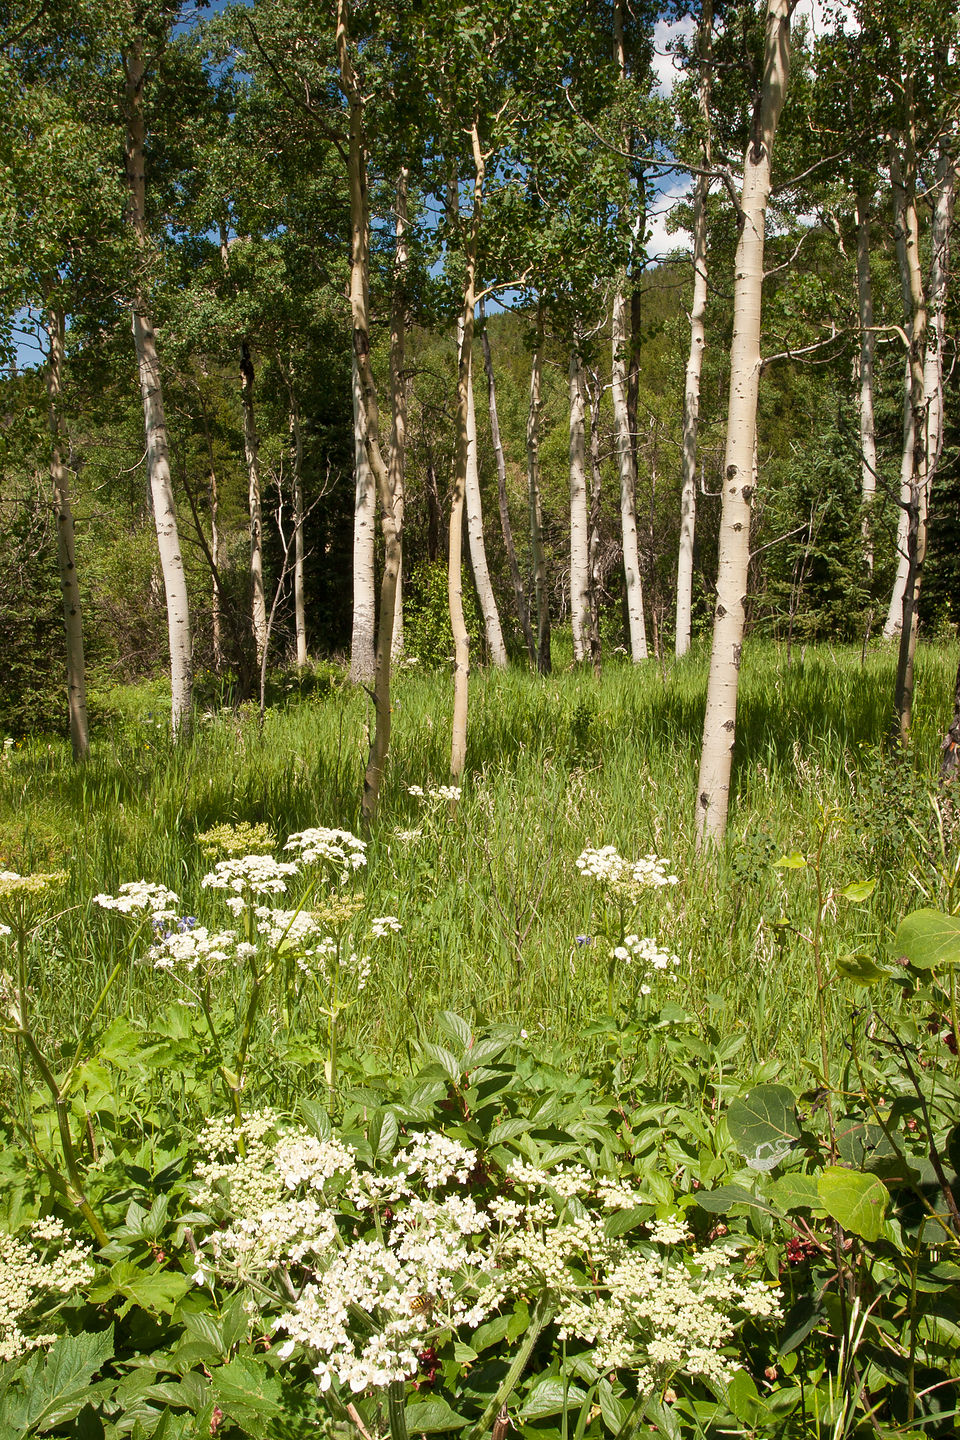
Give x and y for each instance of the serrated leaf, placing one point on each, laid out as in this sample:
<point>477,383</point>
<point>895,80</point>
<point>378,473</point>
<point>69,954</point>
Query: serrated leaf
<point>929,938</point>
<point>245,1385</point>
<point>857,1202</point>
<point>454,1027</point>
<point>59,1391</point>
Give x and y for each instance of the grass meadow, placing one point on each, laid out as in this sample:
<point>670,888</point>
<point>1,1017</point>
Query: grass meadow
<point>489,897</point>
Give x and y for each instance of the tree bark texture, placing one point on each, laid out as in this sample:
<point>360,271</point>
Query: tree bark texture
<point>362,657</point>
<point>66,554</point>
<point>368,415</point>
<point>626,464</point>
<point>398,397</point>
<point>296,468</point>
<point>493,633</point>
<point>541,595</point>
<point>251,450</point>
<point>594,576</point>
<point>155,425</point>
<point>716,758</point>
<point>579,538</point>
<point>868,345</point>
<point>523,614</point>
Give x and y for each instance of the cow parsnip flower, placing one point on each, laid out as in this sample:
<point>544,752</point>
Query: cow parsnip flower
<point>28,1277</point>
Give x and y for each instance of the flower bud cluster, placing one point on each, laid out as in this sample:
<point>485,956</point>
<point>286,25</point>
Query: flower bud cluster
<point>439,795</point>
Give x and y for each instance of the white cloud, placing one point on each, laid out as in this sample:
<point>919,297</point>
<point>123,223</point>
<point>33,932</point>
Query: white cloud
<point>663,242</point>
<point>664,65</point>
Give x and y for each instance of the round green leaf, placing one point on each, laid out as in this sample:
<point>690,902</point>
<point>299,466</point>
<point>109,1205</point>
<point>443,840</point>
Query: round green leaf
<point>856,1201</point>
<point>929,938</point>
<point>763,1125</point>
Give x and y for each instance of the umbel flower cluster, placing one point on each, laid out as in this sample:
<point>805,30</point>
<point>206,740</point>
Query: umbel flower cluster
<point>369,1266</point>
<point>35,1274</point>
<point>623,878</point>
<point>255,889</point>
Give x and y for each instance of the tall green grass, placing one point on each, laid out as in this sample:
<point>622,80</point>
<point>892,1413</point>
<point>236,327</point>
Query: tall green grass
<point>490,898</point>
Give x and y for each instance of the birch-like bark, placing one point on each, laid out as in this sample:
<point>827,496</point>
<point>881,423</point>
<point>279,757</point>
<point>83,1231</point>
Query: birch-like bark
<point>461,639</point>
<point>154,420</point>
<point>579,541</point>
<point>365,396</point>
<point>716,758</point>
<point>66,554</point>
<point>626,464</point>
<point>594,577</point>
<point>496,649</point>
<point>398,397</point>
<point>251,450</point>
<point>868,345</point>
<point>926,386</point>
<point>523,614</point>
<point>362,656</point>
<point>296,469</point>
<point>894,618</point>
<point>691,387</point>
<point>541,595</point>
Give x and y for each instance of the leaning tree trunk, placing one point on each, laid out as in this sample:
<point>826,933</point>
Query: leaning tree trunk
<point>368,424</point>
<point>537,551</point>
<point>523,614</point>
<point>716,758</point>
<point>496,649</point>
<point>579,539</point>
<point>461,639</point>
<point>868,345</point>
<point>63,514</point>
<point>251,449</point>
<point>155,425</point>
<point>691,387</point>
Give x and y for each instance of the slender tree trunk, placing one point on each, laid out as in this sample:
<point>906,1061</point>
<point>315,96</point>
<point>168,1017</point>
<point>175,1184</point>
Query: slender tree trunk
<point>461,639</point>
<point>296,467</point>
<point>926,334</point>
<point>155,425</point>
<point>541,594</point>
<point>496,649</point>
<point>365,395</point>
<point>523,613</point>
<point>362,657</point>
<point>398,398</point>
<point>66,555</point>
<point>433,506</point>
<point>251,450</point>
<point>716,759</point>
<point>594,578</point>
<point>691,388</point>
<point>579,536</point>
<point>891,626</point>
<point>620,330</point>
<point>868,443</point>
<point>216,609</point>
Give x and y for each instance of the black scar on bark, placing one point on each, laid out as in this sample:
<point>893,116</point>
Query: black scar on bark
<point>737,528</point>
<point>728,724</point>
<point>747,493</point>
<point>704,800</point>
<point>731,472</point>
<point>720,612</point>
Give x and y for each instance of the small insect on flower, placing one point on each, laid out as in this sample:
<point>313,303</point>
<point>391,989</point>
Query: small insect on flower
<point>423,1304</point>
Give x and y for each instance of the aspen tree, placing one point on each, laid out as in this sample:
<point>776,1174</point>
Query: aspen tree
<point>868,345</point>
<point>716,757</point>
<point>579,537</point>
<point>691,387</point>
<point>251,449</point>
<point>155,425</point>
<point>398,396</point>
<point>541,595</point>
<point>66,553</point>
<point>496,649</point>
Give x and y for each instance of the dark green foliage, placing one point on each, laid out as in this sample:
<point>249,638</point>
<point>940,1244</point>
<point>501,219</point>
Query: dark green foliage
<point>33,688</point>
<point>426,617</point>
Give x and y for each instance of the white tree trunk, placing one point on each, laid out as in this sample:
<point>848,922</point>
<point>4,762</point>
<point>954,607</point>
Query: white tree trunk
<point>891,626</point>
<point>868,345</point>
<point>154,421</point>
<point>716,757</point>
<point>626,463</point>
<point>251,450</point>
<point>362,659</point>
<point>296,465</point>
<point>541,595</point>
<point>579,552</point>
<point>63,515</point>
<point>496,649</point>
<point>691,419</point>
<point>398,399</point>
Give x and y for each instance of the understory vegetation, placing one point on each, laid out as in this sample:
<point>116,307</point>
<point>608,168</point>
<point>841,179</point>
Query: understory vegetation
<point>511,1114</point>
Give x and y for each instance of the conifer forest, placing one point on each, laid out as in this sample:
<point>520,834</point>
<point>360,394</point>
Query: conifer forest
<point>479,719</point>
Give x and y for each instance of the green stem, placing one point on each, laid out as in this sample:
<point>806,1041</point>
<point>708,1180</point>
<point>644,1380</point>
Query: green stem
<point>65,1087</point>
<point>237,1084</point>
<point>66,1139</point>
<point>541,1317</point>
<point>397,1409</point>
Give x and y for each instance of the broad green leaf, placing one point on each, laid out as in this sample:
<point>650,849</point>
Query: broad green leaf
<point>719,1201</point>
<point>60,1390</point>
<point>316,1118</point>
<point>861,969</point>
<point>744,1399</point>
<point>546,1397</point>
<point>157,1291</point>
<point>429,1417</point>
<point>454,1027</point>
<point>859,891</point>
<point>491,1333</point>
<point>623,1220</point>
<point>790,862</point>
<point>763,1125</point>
<point>382,1132</point>
<point>613,1408</point>
<point>795,1192</point>
<point>856,1201</point>
<point>929,938</point>
<point>246,1385</point>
